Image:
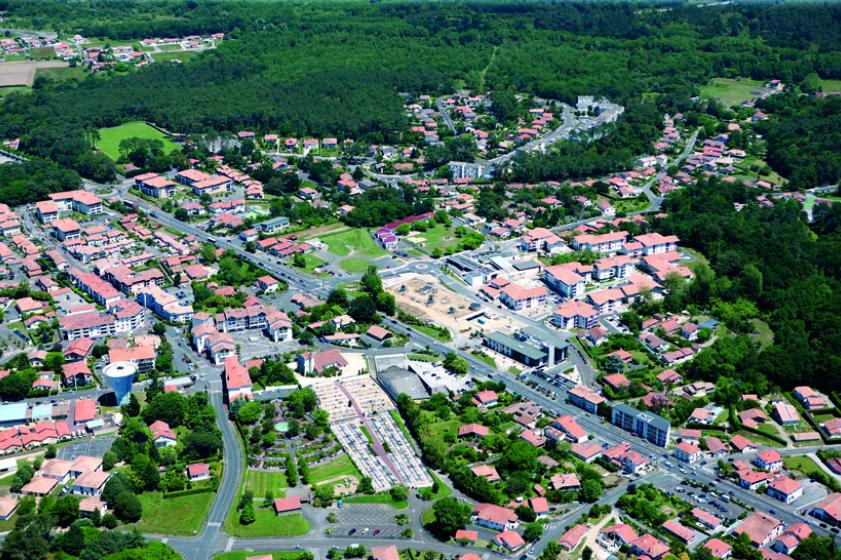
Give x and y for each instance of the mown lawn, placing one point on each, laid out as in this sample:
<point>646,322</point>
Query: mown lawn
<point>384,498</point>
<point>181,515</point>
<point>62,74</point>
<point>110,138</point>
<point>311,262</point>
<point>802,464</point>
<point>438,237</point>
<point>358,240</point>
<point>354,264</point>
<point>730,91</point>
<point>831,86</point>
<point>268,524</point>
<point>342,466</point>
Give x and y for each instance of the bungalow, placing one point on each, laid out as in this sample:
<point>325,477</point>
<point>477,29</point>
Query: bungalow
<point>488,472</point>
<point>809,398</point>
<point>616,536</point>
<point>8,506</point>
<point>572,537</point>
<point>289,504</point>
<point>718,548</point>
<point>198,471</point>
<point>565,481</point>
<point>510,540</point>
<point>568,425</point>
<point>683,533</point>
<point>707,519</point>
<point>485,398</point>
<point>473,430</point>
<point>587,452</point>
<point>464,535</point>
<point>317,362</point>
<point>616,381</point>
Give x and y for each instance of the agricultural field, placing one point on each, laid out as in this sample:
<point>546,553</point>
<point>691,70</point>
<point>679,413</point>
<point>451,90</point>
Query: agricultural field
<point>259,482</point>
<point>22,72</point>
<point>61,74</point>
<point>730,91</point>
<point>110,138</point>
<point>831,86</point>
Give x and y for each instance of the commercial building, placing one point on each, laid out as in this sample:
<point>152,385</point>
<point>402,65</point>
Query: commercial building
<point>526,350</point>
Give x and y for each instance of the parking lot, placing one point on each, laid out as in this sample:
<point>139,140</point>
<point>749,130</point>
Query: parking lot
<point>91,447</point>
<point>366,520</point>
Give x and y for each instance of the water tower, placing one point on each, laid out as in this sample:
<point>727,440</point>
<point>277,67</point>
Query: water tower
<point>120,376</point>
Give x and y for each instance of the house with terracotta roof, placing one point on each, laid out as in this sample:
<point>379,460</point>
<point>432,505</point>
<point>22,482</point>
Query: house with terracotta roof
<point>8,506</point>
<point>237,380</point>
<point>742,444</point>
<point>317,362</point>
<point>162,434</point>
<point>485,398</point>
<point>616,536</point>
<point>91,483</point>
<point>761,528</point>
<point>785,489</point>
<point>488,472</point>
<point>828,509</point>
<point>571,429</point>
<point>468,536</point>
<point>687,451</point>
<point>198,471</point>
<point>718,548</point>
<point>39,486</point>
<point>791,538</point>
<point>681,532</point>
<point>769,460</point>
<point>649,545</point>
<point>785,414</point>
<point>585,398</point>
<point>493,516</point>
<point>288,504</point>
<point>572,537</point>
<point>473,430</point>
<point>510,540</point>
<point>565,481</point>
<point>707,519</point>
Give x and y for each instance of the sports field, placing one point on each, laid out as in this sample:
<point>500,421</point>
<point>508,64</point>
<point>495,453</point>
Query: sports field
<point>730,91</point>
<point>110,138</point>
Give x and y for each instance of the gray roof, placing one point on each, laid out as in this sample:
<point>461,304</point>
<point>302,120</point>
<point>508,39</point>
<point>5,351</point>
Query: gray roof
<point>526,265</point>
<point>524,348</point>
<point>396,380</point>
<point>648,417</point>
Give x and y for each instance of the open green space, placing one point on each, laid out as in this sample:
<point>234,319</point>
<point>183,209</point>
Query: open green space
<point>268,524</point>
<point>311,262</point>
<point>831,86</point>
<point>384,498</point>
<point>758,439</point>
<point>730,91</point>
<point>180,515</point>
<point>62,74</point>
<point>6,90</point>
<point>342,466</point>
<point>276,555</point>
<point>110,138</point>
<point>259,482</point>
<point>176,55</point>
<point>356,240</point>
<point>437,237</point>
<point>804,465</point>
<point>630,204</point>
<point>354,264</point>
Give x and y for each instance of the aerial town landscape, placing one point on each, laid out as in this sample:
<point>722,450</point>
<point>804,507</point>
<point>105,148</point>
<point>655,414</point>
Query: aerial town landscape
<point>420,281</point>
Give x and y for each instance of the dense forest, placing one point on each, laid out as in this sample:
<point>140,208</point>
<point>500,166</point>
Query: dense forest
<point>803,138</point>
<point>336,68</point>
<point>765,264</point>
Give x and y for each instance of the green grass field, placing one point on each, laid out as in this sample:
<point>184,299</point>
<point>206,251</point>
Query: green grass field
<point>357,240</point>
<point>831,86</point>
<point>342,466</point>
<point>354,264</point>
<point>311,262</point>
<point>730,91</point>
<point>182,515</point>
<point>268,524</point>
<point>384,498</point>
<point>438,237</point>
<point>276,555</point>
<point>175,55</point>
<point>110,138</point>
<point>804,465</point>
<point>260,482</point>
